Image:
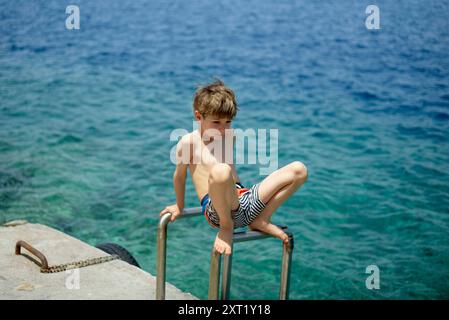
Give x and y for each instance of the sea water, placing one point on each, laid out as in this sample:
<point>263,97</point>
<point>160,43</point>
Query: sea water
<point>86,116</point>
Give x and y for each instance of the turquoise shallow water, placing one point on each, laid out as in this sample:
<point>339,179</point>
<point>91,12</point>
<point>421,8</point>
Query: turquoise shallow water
<point>86,116</point>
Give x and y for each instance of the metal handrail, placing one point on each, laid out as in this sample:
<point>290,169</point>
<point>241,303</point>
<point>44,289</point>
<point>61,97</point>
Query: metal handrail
<point>214,276</point>
<point>162,247</point>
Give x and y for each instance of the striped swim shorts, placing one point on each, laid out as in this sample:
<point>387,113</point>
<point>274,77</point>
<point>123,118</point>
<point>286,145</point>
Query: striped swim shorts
<point>250,206</point>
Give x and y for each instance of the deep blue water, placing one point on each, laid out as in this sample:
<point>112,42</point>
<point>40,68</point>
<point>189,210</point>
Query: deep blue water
<point>86,116</point>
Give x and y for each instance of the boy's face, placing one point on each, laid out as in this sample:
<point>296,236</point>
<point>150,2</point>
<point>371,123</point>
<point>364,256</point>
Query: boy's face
<point>213,122</point>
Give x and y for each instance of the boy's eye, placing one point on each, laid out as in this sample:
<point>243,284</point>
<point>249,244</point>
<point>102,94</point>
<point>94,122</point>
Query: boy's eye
<point>218,121</point>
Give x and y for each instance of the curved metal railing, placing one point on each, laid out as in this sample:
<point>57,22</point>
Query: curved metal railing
<point>215,265</point>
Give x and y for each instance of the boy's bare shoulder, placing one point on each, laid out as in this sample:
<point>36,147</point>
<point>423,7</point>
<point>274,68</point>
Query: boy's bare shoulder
<point>185,146</point>
<point>189,139</point>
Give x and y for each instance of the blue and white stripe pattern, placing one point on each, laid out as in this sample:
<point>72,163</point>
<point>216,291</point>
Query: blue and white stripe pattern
<point>250,207</point>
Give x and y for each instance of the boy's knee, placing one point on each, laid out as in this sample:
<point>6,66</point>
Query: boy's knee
<point>299,171</point>
<point>220,172</point>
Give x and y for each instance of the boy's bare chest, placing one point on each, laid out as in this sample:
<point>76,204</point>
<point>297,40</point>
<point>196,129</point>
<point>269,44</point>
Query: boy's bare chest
<point>212,153</point>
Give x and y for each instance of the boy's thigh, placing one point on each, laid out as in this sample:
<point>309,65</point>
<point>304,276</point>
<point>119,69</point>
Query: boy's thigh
<point>273,183</point>
<point>227,194</point>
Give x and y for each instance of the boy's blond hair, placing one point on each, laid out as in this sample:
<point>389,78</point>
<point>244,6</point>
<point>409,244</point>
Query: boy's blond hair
<point>215,99</point>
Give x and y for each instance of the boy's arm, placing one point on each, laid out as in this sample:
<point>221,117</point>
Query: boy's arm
<point>179,179</point>
<point>179,183</point>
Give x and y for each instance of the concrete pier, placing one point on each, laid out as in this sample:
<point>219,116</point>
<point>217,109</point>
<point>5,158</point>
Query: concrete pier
<point>20,278</point>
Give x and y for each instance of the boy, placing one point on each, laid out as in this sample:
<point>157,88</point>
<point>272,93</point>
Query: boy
<point>225,203</point>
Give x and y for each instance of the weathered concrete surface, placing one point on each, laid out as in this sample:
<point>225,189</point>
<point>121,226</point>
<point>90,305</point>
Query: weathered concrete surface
<point>20,278</point>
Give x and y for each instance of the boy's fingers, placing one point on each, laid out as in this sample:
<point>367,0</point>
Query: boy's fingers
<point>164,211</point>
<point>167,210</point>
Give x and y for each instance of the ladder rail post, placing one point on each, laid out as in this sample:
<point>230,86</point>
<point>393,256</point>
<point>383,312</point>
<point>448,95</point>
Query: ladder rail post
<point>226,276</point>
<point>214,275</point>
<point>161,266</point>
<point>162,255</point>
<point>286,268</point>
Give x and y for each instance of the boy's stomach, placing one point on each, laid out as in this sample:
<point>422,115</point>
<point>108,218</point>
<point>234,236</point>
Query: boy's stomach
<point>200,178</point>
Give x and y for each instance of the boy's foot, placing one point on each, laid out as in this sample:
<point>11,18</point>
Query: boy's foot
<point>268,227</point>
<point>223,241</point>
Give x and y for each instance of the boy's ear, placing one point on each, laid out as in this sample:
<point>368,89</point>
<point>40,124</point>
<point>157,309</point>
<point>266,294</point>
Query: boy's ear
<point>198,116</point>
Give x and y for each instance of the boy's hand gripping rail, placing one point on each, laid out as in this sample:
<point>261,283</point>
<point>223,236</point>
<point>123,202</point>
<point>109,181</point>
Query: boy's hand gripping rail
<point>214,277</point>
